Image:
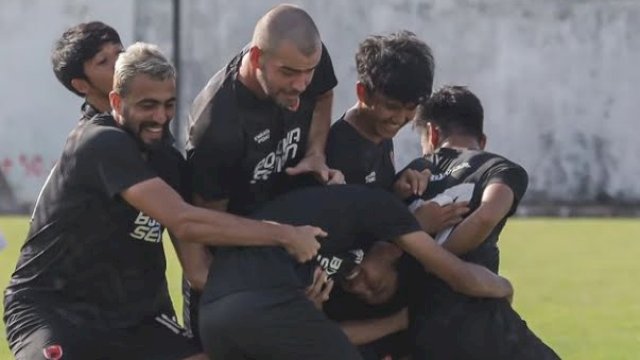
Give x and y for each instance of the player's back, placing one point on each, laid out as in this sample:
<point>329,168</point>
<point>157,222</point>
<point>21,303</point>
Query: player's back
<point>453,168</point>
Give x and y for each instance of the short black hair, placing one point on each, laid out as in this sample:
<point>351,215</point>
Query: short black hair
<point>453,109</point>
<point>399,66</point>
<point>77,45</point>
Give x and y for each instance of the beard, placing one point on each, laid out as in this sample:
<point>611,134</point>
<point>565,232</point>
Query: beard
<point>136,133</point>
<point>275,95</point>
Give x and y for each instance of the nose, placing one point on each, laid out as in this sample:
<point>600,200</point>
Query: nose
<point>402,117</point>
<point>161,116</point>
<point>301,82</point>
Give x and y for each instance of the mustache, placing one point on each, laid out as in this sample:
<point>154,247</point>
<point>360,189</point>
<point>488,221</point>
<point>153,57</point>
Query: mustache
<point>152,124</point>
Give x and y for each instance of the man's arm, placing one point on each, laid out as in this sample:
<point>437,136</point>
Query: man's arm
<point>195,258</point>
<point>314,160</point>
<point>193,224</point>
<point>497,200</point>
<point>320,124</point>
<point>466,278</point>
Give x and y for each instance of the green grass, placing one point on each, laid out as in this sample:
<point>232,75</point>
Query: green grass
<point>575,282</point>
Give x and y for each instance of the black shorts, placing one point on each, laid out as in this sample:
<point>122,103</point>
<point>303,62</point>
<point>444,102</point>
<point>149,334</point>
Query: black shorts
<point>475,329</point>
<point>271,324</point>
<point>190,307</point>
<point>35,332</point>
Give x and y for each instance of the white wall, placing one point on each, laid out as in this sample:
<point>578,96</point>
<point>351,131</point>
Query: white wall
<point>555,76</point>
<point>37,112</point>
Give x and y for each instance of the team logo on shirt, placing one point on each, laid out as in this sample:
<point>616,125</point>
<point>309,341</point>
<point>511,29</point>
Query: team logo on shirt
<point>146,229</point>
<point>370,178</point>
<point>286,149</point>
<point>52,352</point>
<point>262,136</point>
<point>332,265</point>
<point>441,176</point>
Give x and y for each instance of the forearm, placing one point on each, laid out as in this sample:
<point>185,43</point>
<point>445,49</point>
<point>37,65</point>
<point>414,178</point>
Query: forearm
<point>215,228</point>
<point>469,234</point>
<point>463,277</point>
<point>481,282</point>
<point>195,260</point>
<point>497,200</point>
<point>320,124</point>
<point>365,331</point>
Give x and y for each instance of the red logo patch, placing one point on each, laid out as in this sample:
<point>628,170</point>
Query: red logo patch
<point>52,352</point>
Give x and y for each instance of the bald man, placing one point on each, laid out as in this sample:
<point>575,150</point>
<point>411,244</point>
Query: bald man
<point>259,127</point>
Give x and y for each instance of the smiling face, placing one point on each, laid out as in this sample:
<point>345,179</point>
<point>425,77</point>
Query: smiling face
<point>384,116</point>
<point>147,109</point>
<point>285,73</point>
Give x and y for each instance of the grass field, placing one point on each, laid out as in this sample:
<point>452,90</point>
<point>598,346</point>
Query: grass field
<point>576,282</point>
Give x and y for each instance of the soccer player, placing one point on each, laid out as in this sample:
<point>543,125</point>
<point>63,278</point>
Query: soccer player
<point>83,59</point>
<point>445,323</point>
<point>259,121</point>
<point>90,280</point>
<point>254,306</point>
<point>395,72</point>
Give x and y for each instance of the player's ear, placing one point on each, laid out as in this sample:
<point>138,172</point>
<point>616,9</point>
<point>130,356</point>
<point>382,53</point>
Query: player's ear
<point>115,100</point>
<point>80,85</point>
<point>483,141</point>
<point>255,56</point>
<point>362,92</point>
<point>434,135</point>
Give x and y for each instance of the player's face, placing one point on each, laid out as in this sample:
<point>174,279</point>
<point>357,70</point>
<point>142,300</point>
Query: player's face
<point>387,116</point>
<point>374,281</point>
<point>148,108</point>
<point>285,73</point>
<point>99,70</point>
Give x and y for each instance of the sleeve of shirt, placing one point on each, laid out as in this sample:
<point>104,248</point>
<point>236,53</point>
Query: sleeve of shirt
<point>512,175</point>
<point>118,161</point>
<point>341,156</point>
<point>385,217</point>
<point>213,157</point>
<point>324,78</point>
<point>418,164</point>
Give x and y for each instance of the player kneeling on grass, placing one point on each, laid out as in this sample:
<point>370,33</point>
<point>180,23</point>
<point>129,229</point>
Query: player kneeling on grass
<point>90,280</point>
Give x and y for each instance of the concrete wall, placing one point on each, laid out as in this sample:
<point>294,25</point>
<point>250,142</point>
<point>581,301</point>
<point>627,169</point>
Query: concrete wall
<point>555,76</point>
<point>37,112</point>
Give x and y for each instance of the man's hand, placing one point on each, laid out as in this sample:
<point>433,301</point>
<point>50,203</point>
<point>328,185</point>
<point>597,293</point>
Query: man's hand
<point>318,292</point>
<point>434,218</point>
<point>411,182</point>
<point>317,165</point>
<point>301,242</point>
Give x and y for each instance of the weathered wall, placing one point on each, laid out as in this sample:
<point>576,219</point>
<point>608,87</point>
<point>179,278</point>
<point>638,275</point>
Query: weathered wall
<point>555,76</point>
<point>36,112</point>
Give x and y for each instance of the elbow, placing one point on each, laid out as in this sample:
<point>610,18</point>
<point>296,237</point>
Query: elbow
<point>486,221</point>
<point>466,282</point>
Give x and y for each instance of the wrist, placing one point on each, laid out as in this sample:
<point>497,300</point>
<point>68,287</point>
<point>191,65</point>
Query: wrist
<point>283,235</point>
<point>315,153</point>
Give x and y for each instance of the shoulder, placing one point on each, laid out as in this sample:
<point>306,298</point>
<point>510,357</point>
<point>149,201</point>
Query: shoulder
<point>340,128</point>
<point>102,133</point>
<point>501,162</point>
<point>213,115</point>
